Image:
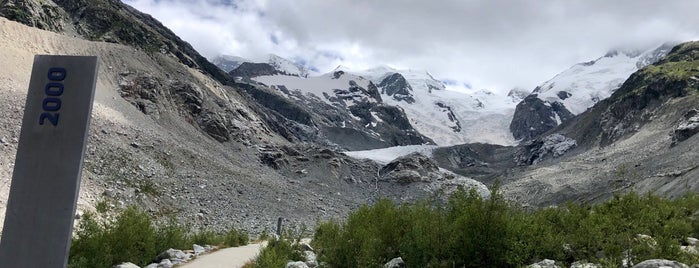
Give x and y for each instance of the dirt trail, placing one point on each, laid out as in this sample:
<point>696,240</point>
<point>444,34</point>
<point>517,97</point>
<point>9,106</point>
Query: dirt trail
<point>227,257</point>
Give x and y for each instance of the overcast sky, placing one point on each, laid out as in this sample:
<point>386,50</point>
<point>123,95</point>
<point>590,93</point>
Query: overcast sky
<point>489,44</point>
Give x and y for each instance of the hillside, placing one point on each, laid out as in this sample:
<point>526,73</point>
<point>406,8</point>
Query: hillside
<point>180,140</point>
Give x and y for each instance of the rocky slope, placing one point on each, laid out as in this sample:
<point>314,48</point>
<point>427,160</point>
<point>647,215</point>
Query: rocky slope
<point>173,134</point>
<point>443,116</point>
<point>575,90</point>
<point>342,110</point>
<point>629,141</point>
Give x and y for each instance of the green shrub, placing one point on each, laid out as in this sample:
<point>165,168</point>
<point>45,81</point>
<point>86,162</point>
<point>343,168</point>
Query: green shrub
<point>132,237</point>
<point>471,231</point>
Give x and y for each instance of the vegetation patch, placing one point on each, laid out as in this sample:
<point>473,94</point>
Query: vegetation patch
<point>133,237</point>
<point>470,231</point>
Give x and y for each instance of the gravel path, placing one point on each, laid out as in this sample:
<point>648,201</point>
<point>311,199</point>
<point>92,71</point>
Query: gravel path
<point>227,257</point>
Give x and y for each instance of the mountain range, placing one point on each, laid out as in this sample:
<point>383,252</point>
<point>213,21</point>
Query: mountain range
<point>246,142</point>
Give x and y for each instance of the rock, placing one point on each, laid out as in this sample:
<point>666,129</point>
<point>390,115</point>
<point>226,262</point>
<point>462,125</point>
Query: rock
<point>126,265</point>
<point>692,241</point>
<point>165,263</point>
<point>297,264</point>
<point>249,70</point>
<point>536,150</point>
<point>305,246</point>
<point>546,263</point>
<point>198,249</point>
<point>578,264</point>
<point>152,265</point>
<point>686,129</point>
<point>396,86</point>
<point>690,249</point>
<point>657,263</point>
<point>395,263</point>
<point>534,117</point>
<point>172,254</point>
<point>311,258</point>
<point>411,168</point>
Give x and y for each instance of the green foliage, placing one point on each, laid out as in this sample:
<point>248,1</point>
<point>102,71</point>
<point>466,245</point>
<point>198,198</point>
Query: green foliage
<point>133,237</point>
<point>234,238</point>
<point>130,237</point>
<point>471,231</point>
<point>277,253</point>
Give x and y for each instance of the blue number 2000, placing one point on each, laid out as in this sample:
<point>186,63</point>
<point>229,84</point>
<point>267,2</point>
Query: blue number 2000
<point>53,90</point>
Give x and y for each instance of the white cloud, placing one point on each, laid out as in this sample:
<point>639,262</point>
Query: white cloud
<point>486,43</point>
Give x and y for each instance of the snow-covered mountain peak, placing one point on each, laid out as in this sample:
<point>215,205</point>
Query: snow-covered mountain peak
<point>286,66</point>
<point>584,84</point>
<point>228,62</point>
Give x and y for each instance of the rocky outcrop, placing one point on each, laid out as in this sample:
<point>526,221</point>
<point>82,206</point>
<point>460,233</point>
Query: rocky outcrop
<point>153,95</point>
<point>395,263</point>
<point>411,168</point>
<point>687,128</point>
<point>249,69</point>
<point>126,265</point>
<point>534,117</point>
<point>356,119</point>
<point>44,15</point>
<point>396,86</point>
<point>544,264</point>
<point>452,117</point>
<point>657,263</point>
<point>633,105</point>
<point>536,150</point>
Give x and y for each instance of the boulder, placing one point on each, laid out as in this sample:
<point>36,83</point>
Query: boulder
<point>692,241</point>
<point>411,168</point>
<point>658,263</point>
<point>296,264</point>
<point>126,265</point>
<point>578,264</point>
<point>546,263</point>
<point>395,263</point>
<point>198,249</point>
<point>687,128</point>
<point>172,254</point>
<point>311,258</point>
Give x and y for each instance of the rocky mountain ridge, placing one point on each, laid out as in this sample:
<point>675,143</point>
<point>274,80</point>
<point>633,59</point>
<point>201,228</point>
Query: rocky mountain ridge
<point>179,137</point>
<point>180,141</point>
<point>575,90</point>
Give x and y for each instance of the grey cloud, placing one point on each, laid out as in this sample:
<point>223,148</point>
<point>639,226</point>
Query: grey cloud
<point>491,44</point>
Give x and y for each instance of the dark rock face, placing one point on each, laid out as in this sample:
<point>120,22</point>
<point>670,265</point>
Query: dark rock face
<point>248,69</point>
<point>482,162</point>
<point>153,95</point>
<point>411,168</point>
<point>632,105</point>
<point>356,120</point>
<point>563,95</point>
<point>536,150</point>
<point>451,115</point>
<point>114,21</point>
<point>396,86</point>
<point>534,117</point>
<point>687,128</point>
<point>40,14</point>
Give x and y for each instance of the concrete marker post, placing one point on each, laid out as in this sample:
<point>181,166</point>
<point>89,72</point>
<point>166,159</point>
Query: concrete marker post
<point>46,178</point>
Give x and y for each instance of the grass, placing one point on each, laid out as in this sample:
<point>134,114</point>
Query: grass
<point>133,237</point>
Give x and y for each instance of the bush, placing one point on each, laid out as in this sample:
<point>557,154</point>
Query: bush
<point>132,237</point>
<point>470,231</point>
